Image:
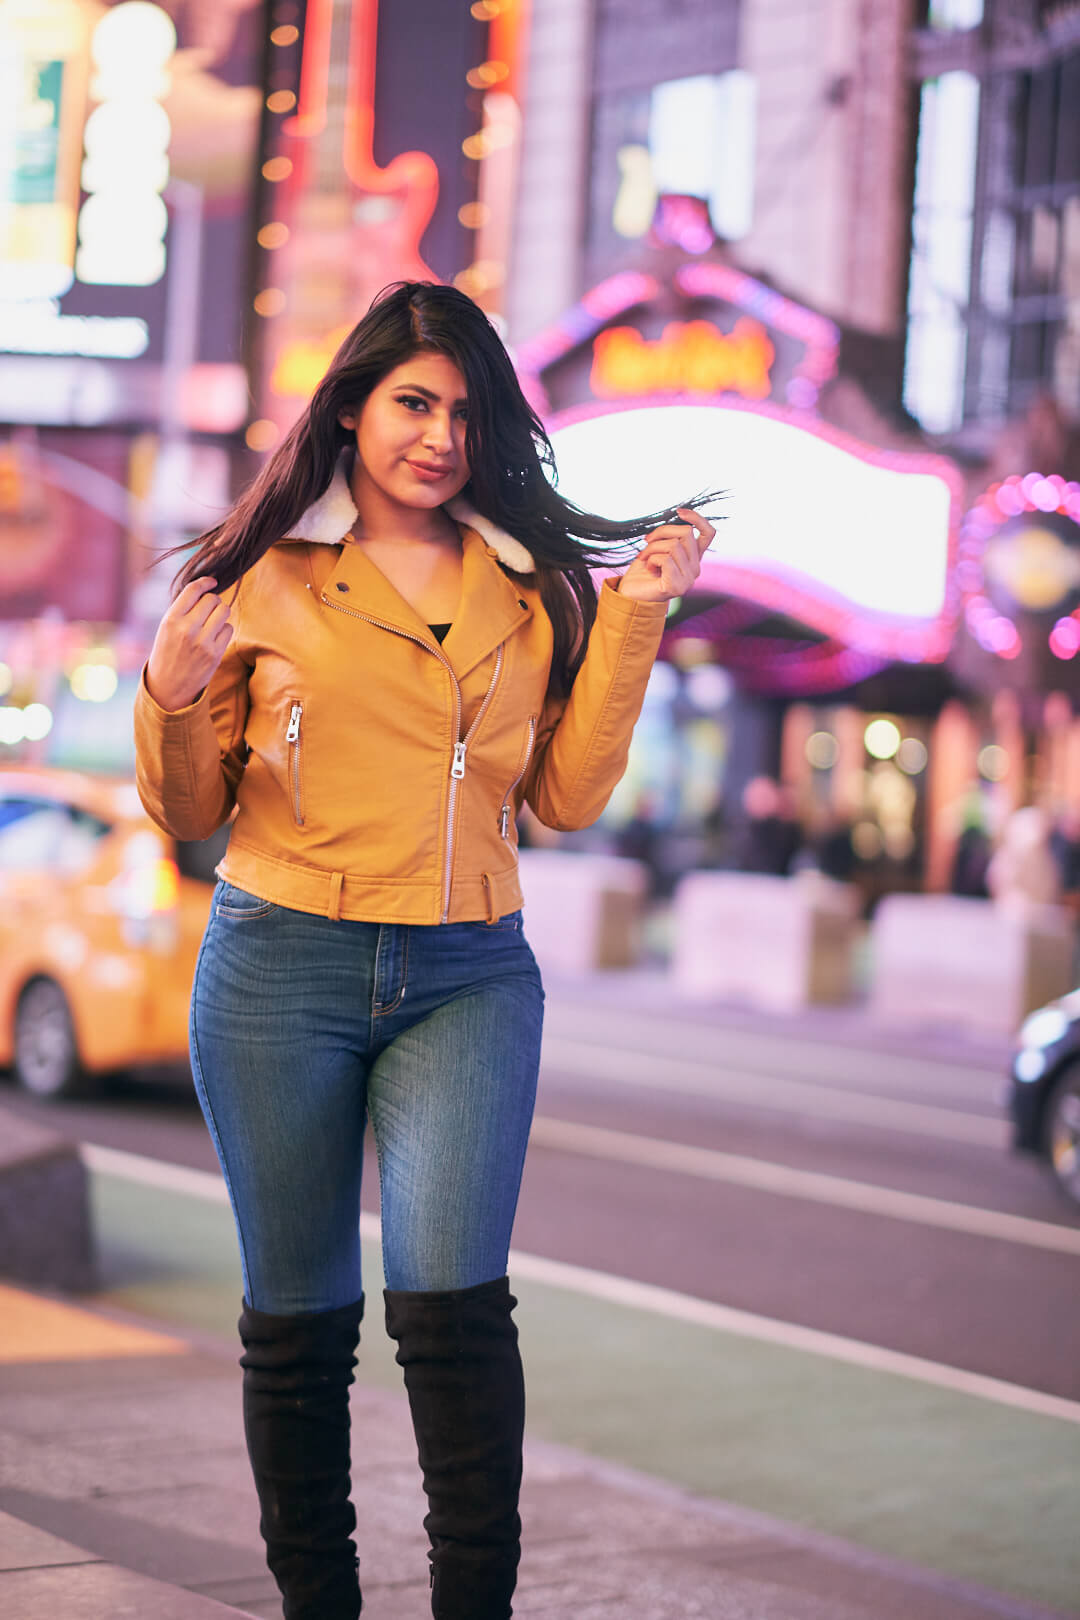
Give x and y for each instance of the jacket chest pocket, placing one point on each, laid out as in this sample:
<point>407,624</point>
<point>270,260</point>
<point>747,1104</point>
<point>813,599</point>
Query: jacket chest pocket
<point>507,808</point>
<point>294,739</point>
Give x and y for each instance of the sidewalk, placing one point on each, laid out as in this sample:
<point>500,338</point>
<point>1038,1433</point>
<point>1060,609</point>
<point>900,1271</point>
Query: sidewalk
<point>124,1491</point>
<point>649,991</point>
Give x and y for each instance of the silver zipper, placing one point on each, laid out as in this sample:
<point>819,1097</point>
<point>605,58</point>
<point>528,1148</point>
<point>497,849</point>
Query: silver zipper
<point>292,737</point>
<point>457,772</point>
<point>504,813</point>
<point>457,768</point>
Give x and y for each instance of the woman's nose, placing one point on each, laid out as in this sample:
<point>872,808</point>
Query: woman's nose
<point>438,433</point>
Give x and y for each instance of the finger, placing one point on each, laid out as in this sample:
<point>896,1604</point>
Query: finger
<point>204,610</point>
<point>665,532</point>
<point>193,591</point>
<point>664,539</point>
<point>217,612</point>
<point>703,529</point>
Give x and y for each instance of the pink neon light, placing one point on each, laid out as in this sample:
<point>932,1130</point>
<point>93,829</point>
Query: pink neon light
<point>1065,638</point>
<point>1032,492</point>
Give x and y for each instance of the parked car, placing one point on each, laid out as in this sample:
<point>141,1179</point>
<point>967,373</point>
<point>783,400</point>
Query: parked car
<point>101,915</point>
<point>1044,1090</point>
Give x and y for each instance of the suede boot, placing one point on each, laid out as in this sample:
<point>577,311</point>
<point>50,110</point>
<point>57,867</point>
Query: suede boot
<point>462,1368</point>
<point>297,1372</point>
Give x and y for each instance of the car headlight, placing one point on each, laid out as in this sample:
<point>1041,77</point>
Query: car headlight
<point>1029,1065</point>
<point>1044,1027</point>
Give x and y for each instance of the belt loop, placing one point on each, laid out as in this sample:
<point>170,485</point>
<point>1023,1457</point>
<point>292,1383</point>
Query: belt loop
<point>333,911</point>
<point>489,896</point>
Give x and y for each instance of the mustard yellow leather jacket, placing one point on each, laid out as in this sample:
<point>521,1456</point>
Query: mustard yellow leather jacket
<point>377,775</point>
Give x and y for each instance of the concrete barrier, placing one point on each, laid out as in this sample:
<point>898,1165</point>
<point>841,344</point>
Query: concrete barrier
<point>773,941</point>
<point>938,958</point>
<point>582,912</point>
<point>45,1231</point>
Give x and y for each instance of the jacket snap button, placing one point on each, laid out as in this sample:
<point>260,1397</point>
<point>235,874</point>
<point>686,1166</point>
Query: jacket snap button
<point>341,585</point>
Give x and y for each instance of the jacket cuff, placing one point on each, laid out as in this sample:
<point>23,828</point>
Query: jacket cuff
<point>611,605</point>
<point>165,716</point>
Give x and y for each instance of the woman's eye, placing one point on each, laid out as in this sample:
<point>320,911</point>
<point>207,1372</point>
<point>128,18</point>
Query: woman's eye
<point>411,400</point>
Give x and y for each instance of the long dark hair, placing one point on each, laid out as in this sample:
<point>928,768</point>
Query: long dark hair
<point>507,449</point>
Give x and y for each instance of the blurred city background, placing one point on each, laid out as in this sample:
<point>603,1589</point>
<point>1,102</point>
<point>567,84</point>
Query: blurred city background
<point>813,1051</point>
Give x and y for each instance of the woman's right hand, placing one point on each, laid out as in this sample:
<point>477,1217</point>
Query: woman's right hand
<point>190,643</point>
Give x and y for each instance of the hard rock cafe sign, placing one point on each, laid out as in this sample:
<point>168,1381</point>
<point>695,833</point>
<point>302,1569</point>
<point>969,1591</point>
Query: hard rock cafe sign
<point>689,357</point>
<point>707,331</point>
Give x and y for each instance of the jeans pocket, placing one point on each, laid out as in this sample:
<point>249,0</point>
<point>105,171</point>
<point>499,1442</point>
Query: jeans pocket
<point>510,924</point>
<point>239,904</point>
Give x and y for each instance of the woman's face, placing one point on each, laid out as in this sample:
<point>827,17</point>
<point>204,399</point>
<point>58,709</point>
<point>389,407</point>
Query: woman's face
<point>410,434</point>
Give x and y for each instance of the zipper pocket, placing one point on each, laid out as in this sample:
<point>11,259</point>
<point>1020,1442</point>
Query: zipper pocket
<point>293,738</point>
<point>505,812</point>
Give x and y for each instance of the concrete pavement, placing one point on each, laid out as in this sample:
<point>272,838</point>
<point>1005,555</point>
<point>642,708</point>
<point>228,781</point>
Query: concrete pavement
<point>124,1491</point>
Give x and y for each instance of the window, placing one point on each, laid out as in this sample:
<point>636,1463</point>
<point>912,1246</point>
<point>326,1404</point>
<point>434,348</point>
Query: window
<point>690,136</point>
<point>940,276</point>
<point>47,836</point>
<point>994,288</point>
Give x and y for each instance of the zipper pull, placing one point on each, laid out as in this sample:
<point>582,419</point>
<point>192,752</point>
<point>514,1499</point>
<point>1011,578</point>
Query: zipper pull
<point>504,820</point>
<point>293,733</point>
<point>457,769</point>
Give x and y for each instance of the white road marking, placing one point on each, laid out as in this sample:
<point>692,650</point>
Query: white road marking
<point>688,1075</point>
<point>783,1180</point>
<point>724,1319</point>
<point>665,1302</point>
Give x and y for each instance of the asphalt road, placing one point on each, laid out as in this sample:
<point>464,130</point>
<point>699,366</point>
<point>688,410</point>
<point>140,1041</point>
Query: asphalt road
<point>801,1172</point>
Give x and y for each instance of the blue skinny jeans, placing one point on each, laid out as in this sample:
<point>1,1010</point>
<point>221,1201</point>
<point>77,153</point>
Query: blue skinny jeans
<point>300,1029</point>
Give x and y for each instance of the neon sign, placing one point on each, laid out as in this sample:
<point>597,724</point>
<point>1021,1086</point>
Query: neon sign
<point>853,542</point>
<point>123,222</point>
<point>690,357</point>
<point>1015,497</point>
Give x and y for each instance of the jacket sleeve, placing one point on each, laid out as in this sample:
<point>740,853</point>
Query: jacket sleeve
<point>583,743</point>
<point>188,762</point>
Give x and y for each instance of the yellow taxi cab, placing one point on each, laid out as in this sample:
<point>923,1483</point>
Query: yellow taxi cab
<point>101,915</point>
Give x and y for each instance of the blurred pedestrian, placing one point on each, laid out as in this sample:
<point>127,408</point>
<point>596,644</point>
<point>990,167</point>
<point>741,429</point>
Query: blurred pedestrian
<point>770,835</point>
<point>1022,872</point>
<point>391,641</point>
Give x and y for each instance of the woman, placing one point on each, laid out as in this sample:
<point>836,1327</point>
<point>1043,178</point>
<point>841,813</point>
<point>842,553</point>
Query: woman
<point>391,642</point>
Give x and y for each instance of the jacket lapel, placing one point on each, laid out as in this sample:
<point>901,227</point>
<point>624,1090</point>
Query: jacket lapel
<point>491,607</point>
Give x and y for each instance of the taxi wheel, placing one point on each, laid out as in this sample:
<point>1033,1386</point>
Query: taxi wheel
<point>46,1055</point>
<point>1063,1131</point>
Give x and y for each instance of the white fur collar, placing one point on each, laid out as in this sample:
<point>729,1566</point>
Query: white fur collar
<point>330,518</point>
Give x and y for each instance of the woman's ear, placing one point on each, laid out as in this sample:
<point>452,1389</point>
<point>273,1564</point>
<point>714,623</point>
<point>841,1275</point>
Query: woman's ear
<point>347,420</point>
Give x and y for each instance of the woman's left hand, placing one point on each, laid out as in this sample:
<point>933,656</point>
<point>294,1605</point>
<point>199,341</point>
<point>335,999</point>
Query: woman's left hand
<point>670,560</point>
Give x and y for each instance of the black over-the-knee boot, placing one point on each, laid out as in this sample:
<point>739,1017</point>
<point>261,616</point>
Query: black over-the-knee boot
<point>297,1372</point>
<point>463,1374</point>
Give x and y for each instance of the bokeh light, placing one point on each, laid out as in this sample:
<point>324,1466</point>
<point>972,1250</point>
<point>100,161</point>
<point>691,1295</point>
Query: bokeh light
<point>822,750</point>
<point>273,235</point>
<point>993,762</point>
<point>271,301</point>
<point>911,756</point>
<point>261,435</point>
<point>882,738</point>
<point>94,683</point>
<point>37,721</point>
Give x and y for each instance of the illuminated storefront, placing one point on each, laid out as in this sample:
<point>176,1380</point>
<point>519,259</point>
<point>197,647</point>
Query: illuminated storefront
<point>832,589</point>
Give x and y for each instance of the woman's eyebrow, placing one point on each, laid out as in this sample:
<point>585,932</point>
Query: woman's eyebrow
<point>417,388</point>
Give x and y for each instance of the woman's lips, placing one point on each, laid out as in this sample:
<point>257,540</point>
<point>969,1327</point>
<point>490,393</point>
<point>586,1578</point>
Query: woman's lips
<point>428,473</point>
